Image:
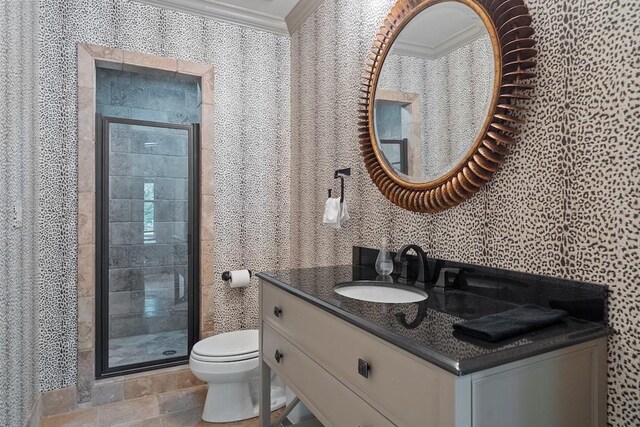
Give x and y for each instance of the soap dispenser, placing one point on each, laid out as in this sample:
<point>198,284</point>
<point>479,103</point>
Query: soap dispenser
<point>384,263</point>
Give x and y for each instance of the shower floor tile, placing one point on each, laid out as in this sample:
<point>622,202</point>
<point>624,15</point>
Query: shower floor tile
<point>147,348</point>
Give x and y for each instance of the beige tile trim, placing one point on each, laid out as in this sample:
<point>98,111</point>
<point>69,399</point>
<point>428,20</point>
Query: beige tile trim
<point>192,68</point>
<point>90,56</point>
<point>35,413</point>
<point>207,86</point>
<point>145,410</point>
<point>134,61</point>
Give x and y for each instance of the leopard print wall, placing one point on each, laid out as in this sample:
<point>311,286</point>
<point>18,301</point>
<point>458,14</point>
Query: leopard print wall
<point>567,202</point>
<point>251,164</point>
<point>18,210</point>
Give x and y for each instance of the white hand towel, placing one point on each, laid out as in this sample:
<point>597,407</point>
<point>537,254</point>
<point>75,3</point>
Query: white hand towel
<point>344,213</point>
<point>332,213</point>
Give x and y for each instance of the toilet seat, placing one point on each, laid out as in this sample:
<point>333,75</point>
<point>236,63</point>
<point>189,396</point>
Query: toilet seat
<point>228,347</point>
<point>227,359</point>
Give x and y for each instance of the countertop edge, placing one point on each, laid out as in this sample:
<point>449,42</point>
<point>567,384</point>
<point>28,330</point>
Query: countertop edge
<point>486,362</point>
<point>452,366</point>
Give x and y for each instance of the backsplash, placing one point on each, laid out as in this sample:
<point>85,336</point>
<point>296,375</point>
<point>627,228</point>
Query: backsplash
<point>251,165</point>
<point>565,204</point>
<point>582,300</point>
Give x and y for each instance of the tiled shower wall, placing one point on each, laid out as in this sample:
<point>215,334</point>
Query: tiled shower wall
<point>565,204</point>
<point>146,268</point>
<point>251,159</point>
<point>143,272</point>
<point>156,97</point>
<point>18,210</point>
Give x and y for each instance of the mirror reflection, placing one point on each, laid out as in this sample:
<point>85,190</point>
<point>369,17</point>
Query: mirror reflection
<point>434,92</point>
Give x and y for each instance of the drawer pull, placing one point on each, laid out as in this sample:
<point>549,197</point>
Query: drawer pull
<point>363,368</point>
<point>279,356</point>
<point>277,311</point>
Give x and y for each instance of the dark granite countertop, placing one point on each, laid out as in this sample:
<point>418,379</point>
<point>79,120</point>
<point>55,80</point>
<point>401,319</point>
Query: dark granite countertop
<point>426,329</point>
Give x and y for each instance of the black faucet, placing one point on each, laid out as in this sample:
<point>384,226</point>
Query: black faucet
<point>401,258</point>
<point>447,278</point>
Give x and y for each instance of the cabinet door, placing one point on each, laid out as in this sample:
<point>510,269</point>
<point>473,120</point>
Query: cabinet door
<point>332,402</point>
<point>562,389</point>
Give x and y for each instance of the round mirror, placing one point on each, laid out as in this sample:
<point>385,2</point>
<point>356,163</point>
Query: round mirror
<point>434,92</point>
<point>443,92</point>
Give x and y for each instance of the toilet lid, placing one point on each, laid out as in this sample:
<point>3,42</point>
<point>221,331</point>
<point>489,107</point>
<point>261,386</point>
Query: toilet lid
<point>229,345</point>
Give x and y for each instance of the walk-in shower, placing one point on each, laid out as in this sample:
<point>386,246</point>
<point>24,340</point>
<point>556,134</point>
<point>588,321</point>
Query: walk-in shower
<point>147,224</point>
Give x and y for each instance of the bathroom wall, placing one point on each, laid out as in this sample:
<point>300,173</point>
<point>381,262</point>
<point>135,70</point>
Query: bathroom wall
<point>251,163</point>
<point>18,211</point>
<point>566,203</point>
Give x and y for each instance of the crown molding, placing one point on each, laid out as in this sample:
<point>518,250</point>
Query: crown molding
<point>300,13</point>
<point>412,49</point>
<point>226,12</point>
<point>462,38</point>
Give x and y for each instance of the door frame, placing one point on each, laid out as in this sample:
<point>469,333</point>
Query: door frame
<point>404,158</point>
<point>102,370</point>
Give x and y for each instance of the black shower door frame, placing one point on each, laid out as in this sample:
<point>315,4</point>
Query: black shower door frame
<point>102,369</point>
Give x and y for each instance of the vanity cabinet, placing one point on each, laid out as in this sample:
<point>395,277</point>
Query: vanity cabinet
<point>349,377</point>
<point>326,394</point>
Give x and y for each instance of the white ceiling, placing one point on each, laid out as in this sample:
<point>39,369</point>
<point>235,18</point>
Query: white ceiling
<point>277,16</point>
<point>438,30</point>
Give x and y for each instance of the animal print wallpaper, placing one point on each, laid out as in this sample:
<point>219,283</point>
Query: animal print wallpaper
<point>566,203</point>
<point>251,163</point>
<point>18,210</point>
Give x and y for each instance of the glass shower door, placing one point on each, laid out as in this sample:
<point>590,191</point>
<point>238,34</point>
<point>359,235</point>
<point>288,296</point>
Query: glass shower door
<point>147,301</point>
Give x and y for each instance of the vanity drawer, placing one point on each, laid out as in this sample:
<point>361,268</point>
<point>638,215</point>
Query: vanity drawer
<point>408,391</point>
<point>329,398</point>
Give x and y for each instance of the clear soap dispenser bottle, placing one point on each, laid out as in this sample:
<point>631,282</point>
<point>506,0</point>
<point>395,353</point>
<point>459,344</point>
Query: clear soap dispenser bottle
<point>384,263</point>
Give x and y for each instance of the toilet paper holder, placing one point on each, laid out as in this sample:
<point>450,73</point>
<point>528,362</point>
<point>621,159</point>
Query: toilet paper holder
<point>226,275</point>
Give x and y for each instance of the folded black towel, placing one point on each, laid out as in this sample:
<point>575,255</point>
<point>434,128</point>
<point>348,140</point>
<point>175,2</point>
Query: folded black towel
<point>496,327</point>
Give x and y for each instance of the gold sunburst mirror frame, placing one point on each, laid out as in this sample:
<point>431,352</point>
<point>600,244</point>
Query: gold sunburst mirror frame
<point>509,25</point>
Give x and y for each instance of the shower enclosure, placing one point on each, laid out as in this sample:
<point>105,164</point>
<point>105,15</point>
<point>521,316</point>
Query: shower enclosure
<point>147,244</point>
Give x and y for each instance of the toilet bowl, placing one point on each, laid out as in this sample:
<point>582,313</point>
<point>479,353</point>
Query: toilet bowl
<point>230,364</point>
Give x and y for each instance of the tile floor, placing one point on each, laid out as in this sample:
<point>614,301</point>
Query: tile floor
<point>191,418</point>
<point>144,348</point>
<point>188,418</point>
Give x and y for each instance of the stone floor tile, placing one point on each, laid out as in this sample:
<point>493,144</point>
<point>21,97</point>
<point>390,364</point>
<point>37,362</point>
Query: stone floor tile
<point>128,411</point>
<point>84,418</point>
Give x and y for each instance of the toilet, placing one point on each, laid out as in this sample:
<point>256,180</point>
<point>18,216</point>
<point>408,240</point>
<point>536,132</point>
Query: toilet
<point>230,364</point>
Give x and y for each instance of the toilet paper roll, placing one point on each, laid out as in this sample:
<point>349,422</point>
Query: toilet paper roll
<point>239,278</point>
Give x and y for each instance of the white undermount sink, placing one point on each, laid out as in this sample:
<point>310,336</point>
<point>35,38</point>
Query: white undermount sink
<point>382,292</point>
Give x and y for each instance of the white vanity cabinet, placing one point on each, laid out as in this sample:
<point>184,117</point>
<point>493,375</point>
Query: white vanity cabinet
<point>348,377</point>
